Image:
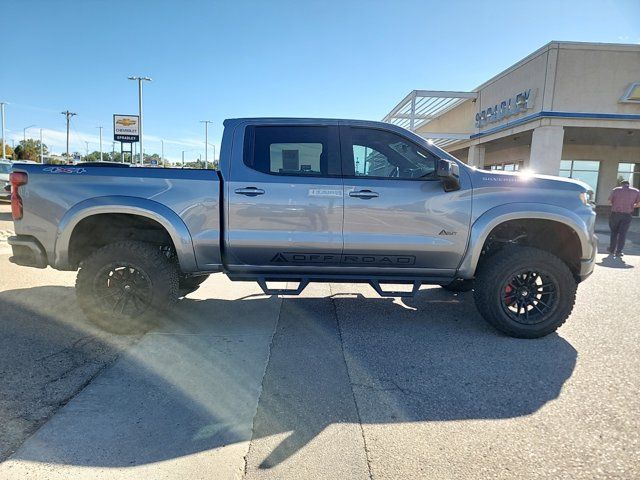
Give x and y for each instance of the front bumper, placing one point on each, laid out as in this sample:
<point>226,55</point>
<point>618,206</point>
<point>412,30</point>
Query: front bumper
<point>27,252</point>
<point>587,265</point>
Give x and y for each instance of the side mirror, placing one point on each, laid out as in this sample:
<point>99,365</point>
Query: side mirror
<point>449,172</point>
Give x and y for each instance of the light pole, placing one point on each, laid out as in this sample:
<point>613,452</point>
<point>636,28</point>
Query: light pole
<point>182,158</point>
<point>100,128</point>
<point>24,132</point>
<point>162,151</point>
<point>86,145</point>
<point>140,80</point>
<point>4,140</point>
<point>41,148</point>
<point>206,142</point>
<point>214,153</point>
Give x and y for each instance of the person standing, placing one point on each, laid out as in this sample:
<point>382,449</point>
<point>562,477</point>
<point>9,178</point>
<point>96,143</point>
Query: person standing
<point>623,200</point>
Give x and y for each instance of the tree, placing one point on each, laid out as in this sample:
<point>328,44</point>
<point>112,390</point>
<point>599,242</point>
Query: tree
<point>8,152</point>
<point>30,150</point>
<point>149,159</point>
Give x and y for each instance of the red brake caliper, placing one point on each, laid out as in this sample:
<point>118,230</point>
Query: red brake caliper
<point>508,299</point>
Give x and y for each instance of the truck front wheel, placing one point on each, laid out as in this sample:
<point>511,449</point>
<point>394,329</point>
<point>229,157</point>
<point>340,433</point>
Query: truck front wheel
<point>123,286</point>
<point>525,292</point>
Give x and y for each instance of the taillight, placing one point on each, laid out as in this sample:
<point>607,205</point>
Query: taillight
<point>17,179</point>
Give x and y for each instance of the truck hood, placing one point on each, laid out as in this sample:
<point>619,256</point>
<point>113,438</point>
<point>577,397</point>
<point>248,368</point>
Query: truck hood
<point>515,180</point>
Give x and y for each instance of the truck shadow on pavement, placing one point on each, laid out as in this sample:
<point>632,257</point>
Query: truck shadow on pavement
<point>343,359</point>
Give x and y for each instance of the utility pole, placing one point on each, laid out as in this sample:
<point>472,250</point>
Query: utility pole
<point>206,142</point>
<point>182,158</point>
<point>100,128</point>
<point>162,151</point>
<point>4,140</point>
<point>41,148</point>
<point>68,115</point>
<point>140,80</point>
<point>86,144</point>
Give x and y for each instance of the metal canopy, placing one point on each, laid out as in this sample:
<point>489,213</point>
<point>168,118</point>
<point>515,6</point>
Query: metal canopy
<point>422,106</point>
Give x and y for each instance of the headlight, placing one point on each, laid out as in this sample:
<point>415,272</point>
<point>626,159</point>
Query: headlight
<point>584,198</point>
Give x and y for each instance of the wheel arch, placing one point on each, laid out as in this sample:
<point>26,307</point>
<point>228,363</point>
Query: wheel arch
<point>123,205</point>
<point>503,214</point>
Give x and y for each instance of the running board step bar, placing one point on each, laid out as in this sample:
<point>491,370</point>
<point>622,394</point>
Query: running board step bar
<point>377,284</point>
<point>302,284</point>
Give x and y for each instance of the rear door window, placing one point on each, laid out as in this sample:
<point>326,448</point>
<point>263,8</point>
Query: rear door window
<point>293,150</point>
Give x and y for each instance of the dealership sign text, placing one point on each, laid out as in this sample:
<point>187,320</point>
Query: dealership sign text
<point>516,104</point>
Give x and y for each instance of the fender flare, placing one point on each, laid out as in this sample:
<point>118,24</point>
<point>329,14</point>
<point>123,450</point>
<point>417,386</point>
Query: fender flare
<point>166,217</point>
<point>490,219</point>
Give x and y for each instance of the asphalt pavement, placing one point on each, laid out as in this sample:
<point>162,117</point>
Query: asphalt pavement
<point>337,383</point>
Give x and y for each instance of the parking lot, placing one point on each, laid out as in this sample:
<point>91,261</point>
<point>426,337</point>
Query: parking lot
<point>337,383</point>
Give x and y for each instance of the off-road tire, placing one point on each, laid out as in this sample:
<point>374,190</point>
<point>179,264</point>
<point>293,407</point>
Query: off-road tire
<point>189,285</point>
<point>157,274</point>
<point>492,285</point>
<point>458,286</point>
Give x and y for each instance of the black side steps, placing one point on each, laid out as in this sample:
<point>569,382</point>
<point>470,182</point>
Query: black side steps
<point>375,284</point>
<point>303,282</point>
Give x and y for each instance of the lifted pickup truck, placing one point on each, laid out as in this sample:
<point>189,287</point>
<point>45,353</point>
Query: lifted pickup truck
<point>308,200</point>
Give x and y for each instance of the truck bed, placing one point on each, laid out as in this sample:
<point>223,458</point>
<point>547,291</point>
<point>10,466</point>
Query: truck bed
<point>186,202</point>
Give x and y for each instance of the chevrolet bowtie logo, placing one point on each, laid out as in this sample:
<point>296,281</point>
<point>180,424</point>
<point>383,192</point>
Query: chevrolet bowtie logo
<point>126,122</point>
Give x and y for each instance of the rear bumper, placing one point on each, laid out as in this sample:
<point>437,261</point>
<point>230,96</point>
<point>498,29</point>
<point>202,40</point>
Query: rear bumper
<point>587,265</point>
<point>27,252</point>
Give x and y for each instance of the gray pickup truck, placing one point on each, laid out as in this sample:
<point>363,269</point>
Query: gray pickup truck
<point>309,200</point>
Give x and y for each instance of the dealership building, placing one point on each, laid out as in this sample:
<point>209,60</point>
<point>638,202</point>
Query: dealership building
<point>569,109</point>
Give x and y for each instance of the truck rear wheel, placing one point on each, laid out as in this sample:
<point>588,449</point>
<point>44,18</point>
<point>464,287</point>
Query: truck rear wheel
<point>123,286</point>
<point>525,292</point>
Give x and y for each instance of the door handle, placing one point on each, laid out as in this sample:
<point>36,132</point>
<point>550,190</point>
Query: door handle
<point>249,191</point>
<point>363,194</point>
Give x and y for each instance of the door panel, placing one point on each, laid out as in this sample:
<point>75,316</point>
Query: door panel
<point>292,215</point>
<point>394,216</point>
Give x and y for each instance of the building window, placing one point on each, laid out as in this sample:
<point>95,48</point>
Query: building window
<point>629,172</point>
<point>586,171</point>
<point>507,167</point>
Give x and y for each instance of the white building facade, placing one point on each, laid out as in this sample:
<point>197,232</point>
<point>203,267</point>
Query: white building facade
<point>569,109</point>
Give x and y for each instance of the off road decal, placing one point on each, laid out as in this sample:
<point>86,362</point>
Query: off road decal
<point>350,259</point>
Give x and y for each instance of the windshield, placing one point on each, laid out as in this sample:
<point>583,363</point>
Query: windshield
<point>5,168</point>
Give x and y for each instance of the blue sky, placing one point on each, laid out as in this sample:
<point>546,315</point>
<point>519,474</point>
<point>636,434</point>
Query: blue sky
<point>221,59</point>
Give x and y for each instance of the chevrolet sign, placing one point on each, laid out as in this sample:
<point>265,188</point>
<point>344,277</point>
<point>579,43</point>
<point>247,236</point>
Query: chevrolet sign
<point>126,128</point>
<point>506,108</point>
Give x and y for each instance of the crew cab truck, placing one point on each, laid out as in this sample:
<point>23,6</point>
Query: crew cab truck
<point>309,200</point>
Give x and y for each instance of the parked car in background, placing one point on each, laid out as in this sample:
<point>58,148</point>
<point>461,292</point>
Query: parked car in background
<point>5,169</point>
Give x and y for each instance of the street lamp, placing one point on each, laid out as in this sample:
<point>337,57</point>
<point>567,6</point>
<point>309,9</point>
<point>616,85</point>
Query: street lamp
<point>4,139</point>
<point>100,128</point>
<point>140,80</point>
<point>24,132</point>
